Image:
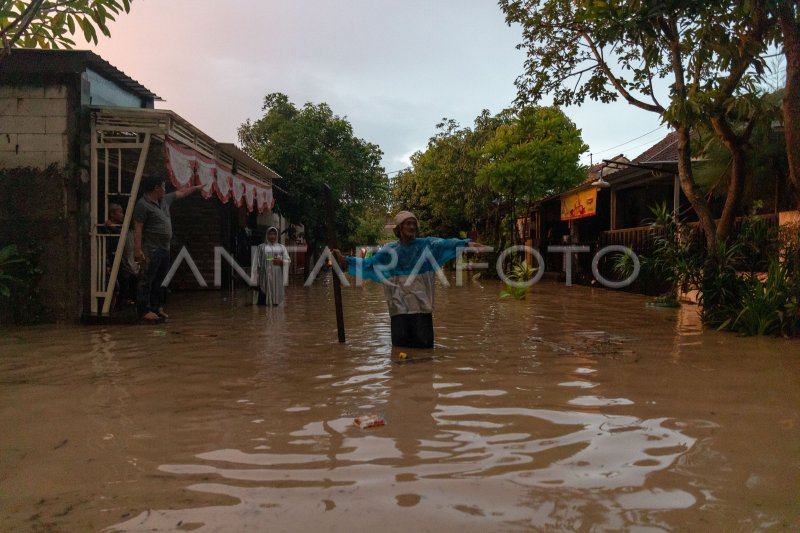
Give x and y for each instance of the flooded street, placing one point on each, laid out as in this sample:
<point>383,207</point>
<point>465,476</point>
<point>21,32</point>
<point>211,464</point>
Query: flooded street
<point>578,409</point>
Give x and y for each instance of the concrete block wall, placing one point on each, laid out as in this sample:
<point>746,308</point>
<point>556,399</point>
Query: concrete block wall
<point>198,224</point>
<point>33,126</point>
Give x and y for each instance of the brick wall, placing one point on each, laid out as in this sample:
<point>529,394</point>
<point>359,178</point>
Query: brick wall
<point>198,224</point>
<point>33,126</point>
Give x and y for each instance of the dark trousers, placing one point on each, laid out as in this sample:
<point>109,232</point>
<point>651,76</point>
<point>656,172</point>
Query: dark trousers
<point>127,288</point>
<point>149,294</point>
<point>413,331</point>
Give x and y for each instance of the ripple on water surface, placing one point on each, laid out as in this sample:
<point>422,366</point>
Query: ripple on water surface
<point>575,408</point>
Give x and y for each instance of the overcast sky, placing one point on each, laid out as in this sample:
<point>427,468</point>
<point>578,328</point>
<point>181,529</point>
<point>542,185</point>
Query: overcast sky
<point>394,69</point>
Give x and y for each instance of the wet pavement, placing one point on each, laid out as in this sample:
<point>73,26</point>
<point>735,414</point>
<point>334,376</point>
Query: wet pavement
<point>577,409</point>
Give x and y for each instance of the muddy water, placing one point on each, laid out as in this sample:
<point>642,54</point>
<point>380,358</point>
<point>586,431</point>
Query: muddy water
<point>578,409</point>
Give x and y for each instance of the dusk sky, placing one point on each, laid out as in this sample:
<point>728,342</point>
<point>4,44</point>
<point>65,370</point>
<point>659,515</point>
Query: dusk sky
<point>394,69</point>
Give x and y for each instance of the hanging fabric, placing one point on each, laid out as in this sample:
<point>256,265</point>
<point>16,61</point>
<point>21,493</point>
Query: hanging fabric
<point>186,167</point>
<point>238,190</point>
<point>223,184</point>
<point>250,194</point>
<point>261,199</point>
<point>270,200</point>
<point>206,175</point>
<point>180,162</point>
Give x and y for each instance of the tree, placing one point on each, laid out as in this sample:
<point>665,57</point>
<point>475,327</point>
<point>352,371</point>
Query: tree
<point>51,23</point>
<point>470,178</point>
<point>311,147</point>
<point>765,160</point>
<point>712,54</point>
<point>440,187</point>
<point>788,12</point>
<point>534,155</point>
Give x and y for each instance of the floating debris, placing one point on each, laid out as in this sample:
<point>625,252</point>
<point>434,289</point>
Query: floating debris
<point>410,360</point>
<point>202,335</point>
<point>369,421</point>
<point>592,343</point>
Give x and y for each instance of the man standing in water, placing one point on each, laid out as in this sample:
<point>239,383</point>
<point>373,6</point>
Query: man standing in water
<point>407,268</point>
<point>152,235</point>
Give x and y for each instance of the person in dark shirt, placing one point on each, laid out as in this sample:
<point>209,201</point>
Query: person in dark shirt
<point>152,235</point>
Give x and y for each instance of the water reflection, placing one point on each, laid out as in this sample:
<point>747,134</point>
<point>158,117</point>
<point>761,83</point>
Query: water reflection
<point>474,451</point>
<point>579,413</point>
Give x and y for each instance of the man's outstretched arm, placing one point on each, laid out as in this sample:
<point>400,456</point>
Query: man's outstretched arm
<point>183,193</point>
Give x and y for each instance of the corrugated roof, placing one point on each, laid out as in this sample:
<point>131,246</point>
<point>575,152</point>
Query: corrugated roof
<point>21,61</point>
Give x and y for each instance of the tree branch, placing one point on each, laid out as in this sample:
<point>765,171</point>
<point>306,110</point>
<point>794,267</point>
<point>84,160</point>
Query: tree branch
<point>745,58</point>
<point>603,66</point>
<point>25,19</point>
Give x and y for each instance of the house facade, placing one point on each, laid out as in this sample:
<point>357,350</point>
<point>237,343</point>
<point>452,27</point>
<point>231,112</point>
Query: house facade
<point>613,207</point>
<point>77,134</point>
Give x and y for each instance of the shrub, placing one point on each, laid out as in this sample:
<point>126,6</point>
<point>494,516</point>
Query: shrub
<point>520,272</point>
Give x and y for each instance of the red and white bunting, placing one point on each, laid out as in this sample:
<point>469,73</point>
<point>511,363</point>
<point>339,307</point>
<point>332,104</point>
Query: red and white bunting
<point>185,166</point>
<point>269,201</point>
<point>261,199</point>
<point>223,184</point>
<point>180,162</point>
<point>206,175</point>
<point>237,192</point>
<point>250,194</point>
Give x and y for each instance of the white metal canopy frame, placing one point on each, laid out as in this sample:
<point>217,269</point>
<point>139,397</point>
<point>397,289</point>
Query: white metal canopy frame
<point>120,144</point>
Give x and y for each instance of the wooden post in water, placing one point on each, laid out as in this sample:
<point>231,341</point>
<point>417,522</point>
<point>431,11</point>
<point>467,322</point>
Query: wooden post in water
<point>332,244</point>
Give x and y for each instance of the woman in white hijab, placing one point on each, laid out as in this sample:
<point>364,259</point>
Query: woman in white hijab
<point>271,261</point>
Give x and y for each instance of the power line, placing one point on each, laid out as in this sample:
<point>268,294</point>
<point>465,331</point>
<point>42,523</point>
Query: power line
<point>626,142</point>
<point>396,171</point>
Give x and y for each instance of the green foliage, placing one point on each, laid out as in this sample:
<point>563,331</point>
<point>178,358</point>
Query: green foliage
<point>519,272</point>
<point>310,147</point>
<point>474,178</point>
<point>765,157</point>
<point>758,241</point>
<point>768,307</point>
<point>622,265</point>
<point>677,255</point>
<point>789,246</point>
<point>533,156</point>
<point>35,226</point>
<point>721,287</point>
<point>51,24</point>
<point>19,284</point>
<point>369,229</point>
<point>440,187</point>
<point>606,50</point>
<point>8,257</point>
<point>692,63</point>
<point>732,292</point>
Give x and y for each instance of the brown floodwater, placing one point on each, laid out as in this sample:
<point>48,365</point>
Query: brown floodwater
<point>578,409</point>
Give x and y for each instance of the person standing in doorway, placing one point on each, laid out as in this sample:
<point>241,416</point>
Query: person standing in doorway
<point>128,268</point>
<point>152,235</point>
<point>272,260</point>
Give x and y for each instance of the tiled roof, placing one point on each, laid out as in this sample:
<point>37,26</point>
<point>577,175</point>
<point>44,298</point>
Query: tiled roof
<point>664,150</point>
